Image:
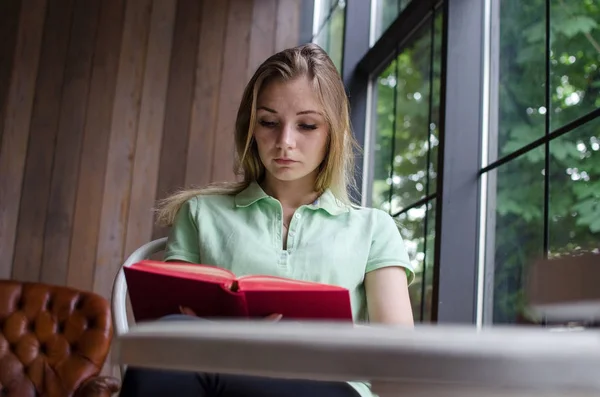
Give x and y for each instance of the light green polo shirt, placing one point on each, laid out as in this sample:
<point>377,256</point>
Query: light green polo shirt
<point>328,241</point>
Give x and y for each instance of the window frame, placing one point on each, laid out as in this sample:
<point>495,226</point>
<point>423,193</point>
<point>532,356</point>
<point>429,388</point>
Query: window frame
<point>465,234</point>
<point>457,287</point>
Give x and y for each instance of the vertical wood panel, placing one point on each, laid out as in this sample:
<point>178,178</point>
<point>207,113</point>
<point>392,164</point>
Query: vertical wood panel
<point>106,105</point>
<point>42,135</point>
<point>90,185</point>
<point>179,101</point>
<point>235,63</point>
<point>262,34</point>
<point>9,17</point>
<point>150,130</point>
<point>17,120</point>
<point>121,150</point>
<point>206,92</point>
<point>61,205</point>
<point>288,24</point>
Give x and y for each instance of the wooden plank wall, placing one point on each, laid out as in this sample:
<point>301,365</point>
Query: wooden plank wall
<point>107,106</point>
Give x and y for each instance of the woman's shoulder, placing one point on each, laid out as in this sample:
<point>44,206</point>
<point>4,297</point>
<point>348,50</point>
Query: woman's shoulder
<point>370,220</point>
<point>204,204</point>
<point>369,213</point>
<point>211,201</point>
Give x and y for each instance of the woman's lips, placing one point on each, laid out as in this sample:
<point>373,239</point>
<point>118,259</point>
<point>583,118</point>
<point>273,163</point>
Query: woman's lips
<point>284,161</point>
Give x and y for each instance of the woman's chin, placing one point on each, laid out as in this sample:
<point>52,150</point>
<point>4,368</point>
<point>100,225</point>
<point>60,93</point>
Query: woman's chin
<point>287,175</point>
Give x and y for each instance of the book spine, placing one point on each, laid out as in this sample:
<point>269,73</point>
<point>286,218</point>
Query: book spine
<point>234,302</point>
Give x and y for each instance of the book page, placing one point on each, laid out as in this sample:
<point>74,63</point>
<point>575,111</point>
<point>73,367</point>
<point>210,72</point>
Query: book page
<point>280,283</point>
<point>176,267</point>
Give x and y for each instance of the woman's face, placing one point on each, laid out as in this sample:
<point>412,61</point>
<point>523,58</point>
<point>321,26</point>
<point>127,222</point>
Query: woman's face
<point>291,132</point>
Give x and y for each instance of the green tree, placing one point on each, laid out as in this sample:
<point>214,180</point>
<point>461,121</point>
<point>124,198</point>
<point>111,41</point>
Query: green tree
<point>407,117</point>
<point>405,169</point>
<point>574,202</point>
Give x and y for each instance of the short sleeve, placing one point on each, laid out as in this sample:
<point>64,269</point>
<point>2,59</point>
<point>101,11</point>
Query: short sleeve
<point>183,240</point>
<point>387,246</point>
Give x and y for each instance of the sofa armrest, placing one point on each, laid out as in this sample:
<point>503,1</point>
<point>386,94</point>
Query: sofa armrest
<point>98,386</point>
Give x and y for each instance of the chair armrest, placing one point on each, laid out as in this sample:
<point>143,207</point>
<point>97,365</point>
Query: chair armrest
<point>98,386</point>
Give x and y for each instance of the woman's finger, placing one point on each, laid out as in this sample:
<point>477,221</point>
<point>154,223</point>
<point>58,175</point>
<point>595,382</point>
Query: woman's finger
<point>187,311</point>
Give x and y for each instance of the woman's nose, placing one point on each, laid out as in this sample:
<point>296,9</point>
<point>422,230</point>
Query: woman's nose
<point>286,137</point>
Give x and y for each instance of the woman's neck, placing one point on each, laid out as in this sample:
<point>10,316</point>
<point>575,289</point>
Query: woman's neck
<point>291,194</point>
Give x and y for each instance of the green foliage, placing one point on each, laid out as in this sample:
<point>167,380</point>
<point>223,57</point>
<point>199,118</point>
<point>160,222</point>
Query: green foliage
<point>331,35</point>
<point>408,93</point>
<point>574,202</point>
<point>407,118</point>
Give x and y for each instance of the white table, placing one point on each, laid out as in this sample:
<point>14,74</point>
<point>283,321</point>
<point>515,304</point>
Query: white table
<point>427,361</point>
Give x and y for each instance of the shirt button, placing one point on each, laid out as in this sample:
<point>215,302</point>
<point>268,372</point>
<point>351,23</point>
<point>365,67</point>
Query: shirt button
<point>298,216</point>
<point>291,234</point>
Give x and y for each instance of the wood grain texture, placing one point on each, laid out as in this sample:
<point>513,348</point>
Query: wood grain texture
<point>9,18</point>
<point>17,120</point>
<point>106,105</point>
<point>96,132</point>
<point>206,93</point>
<point>262,34</point>
<point>173,156</point>
<point>121,149</point>
<point>233,81</point>
<point>42,135</point>
<point>61,205</point>
<point>150,126</point>
<point>288,24</point>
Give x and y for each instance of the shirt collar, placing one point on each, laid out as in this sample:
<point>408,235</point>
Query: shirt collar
<point>327,201</point>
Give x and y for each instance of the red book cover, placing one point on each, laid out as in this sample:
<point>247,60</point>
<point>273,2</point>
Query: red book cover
<point>157,289</point>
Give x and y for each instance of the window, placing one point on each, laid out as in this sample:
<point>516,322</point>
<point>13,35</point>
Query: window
<point>385,12</point>
<point>544,168</point>
<point>481,127</point>
<point>328,28</point>
<point>405,152</point>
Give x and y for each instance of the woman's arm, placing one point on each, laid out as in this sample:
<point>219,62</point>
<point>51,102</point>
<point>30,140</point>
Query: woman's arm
<point>388,301</point>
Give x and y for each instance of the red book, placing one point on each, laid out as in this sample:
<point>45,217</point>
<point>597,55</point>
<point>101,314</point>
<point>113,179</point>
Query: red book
<point>157,289</point>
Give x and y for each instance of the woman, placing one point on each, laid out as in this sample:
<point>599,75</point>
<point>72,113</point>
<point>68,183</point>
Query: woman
<point>290,216</point>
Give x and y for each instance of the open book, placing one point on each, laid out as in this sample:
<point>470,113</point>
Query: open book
<point>157,289</point>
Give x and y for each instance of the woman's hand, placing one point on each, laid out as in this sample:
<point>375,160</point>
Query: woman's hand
<point>187,311</point>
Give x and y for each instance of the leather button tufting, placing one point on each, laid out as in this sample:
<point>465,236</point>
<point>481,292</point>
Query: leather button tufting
<point>53,339</point>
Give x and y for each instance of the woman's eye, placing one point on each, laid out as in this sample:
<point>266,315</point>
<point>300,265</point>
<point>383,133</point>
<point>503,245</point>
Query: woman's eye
<point>268,124</point>
<point>308,126</point>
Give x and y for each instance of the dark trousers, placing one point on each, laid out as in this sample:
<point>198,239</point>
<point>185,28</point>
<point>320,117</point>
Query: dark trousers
<point>151,382</point>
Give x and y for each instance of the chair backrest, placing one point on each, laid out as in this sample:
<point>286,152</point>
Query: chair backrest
<point>119,291</point>
<point>52,338</point>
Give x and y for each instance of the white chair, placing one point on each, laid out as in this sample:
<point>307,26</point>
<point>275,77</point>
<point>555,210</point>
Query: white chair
<point>119,291</point>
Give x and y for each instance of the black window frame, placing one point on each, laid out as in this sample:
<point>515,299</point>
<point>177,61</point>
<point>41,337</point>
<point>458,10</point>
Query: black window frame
<point>460,207</point>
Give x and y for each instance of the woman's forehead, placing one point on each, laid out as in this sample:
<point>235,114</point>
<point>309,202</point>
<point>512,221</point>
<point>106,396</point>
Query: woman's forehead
<point>298,94</point>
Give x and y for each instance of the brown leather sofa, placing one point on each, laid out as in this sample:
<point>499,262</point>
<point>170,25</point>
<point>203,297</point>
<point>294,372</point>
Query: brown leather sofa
<point>54,341</point>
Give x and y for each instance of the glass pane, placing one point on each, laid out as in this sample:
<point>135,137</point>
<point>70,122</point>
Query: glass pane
<point>322,12</point>
<point>516,225</point>
<point>421,252</point>
<point>384,127</point>
<point>405,120</point>
<point>412,122</point>
<point>331,36</point>
<point>521,74</point>
<point>575,190</point>
<point>386,11</point>
<point>575,60</point>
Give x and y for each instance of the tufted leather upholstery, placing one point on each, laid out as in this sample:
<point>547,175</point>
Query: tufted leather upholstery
<point>54,341</point>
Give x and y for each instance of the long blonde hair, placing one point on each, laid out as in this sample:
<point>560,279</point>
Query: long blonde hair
<point>337,169</point>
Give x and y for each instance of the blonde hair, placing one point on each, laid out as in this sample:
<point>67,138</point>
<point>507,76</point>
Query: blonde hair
<point>337,169</point>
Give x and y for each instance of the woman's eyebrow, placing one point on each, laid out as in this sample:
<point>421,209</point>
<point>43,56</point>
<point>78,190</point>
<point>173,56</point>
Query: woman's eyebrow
<point>267,109</point>
<point>308,112</point>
